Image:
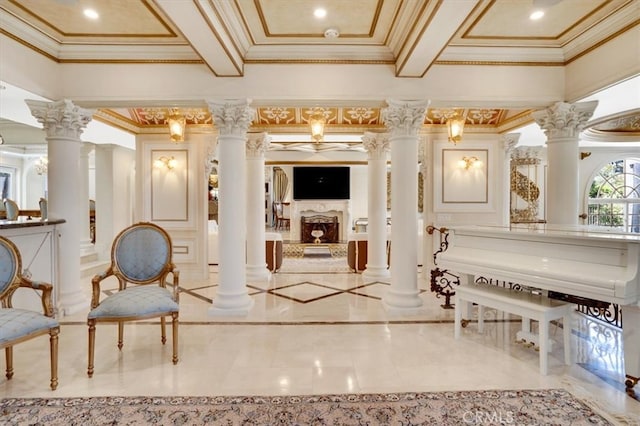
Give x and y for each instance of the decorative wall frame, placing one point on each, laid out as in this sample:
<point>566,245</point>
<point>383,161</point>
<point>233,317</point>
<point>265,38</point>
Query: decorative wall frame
<point>170,187</point>
<point>465,186</point>
<point>462,183</point>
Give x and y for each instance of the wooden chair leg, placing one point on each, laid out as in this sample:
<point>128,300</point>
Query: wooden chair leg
<point>92,345</point>
<point>163,323</point>
<point>53,349</point>
<point>120,334</point>
<point>8,351</point>
<point>174,324</point>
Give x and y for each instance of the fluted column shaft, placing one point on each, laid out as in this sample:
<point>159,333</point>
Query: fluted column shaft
<point>63,123</point>
<point>404,119</point>
<point>377,146</point>
<point>232,118</point>
<point>562,124</point>
<point>256,251</point>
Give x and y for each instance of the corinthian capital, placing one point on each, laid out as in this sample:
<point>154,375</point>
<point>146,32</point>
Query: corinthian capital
<point>404,117</point>
<point>376,144</point>
<point>258,144</point>
<point>232,117</point>
<point>564,120</point>
<point>509,142</point>
<point>61,118</point>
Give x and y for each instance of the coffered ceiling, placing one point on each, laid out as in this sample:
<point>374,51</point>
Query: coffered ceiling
<point>407,36</point>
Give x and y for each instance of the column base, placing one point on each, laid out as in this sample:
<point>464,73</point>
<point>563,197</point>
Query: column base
<point>376,273</point>
<point>87,247</point>
<point>70,304</point>
<point>401,302</point>
<point>258,273</point>
<point>231,305</point>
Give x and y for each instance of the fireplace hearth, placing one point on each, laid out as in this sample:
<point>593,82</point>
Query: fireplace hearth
<point>329,226</point>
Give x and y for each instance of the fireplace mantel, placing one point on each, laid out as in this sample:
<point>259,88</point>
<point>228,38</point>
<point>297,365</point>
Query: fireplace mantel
<point>340,208</point>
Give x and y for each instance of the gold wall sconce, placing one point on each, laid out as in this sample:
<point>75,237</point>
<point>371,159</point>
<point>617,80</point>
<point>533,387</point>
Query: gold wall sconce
<point>167,162</point>
<point>177,125</point>
<point>317,123</point>
<point>455,128</point>
<point>469,162</point>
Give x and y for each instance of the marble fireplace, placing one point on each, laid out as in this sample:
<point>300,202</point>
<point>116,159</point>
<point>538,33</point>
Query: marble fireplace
<point>340,208</point>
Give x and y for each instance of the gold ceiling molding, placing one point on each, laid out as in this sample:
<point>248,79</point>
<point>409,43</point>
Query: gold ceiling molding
<point>628,121</point>
<point>24,6</point>
<point>159,116</point>
<point>292,119</point>
<point>502,63</point>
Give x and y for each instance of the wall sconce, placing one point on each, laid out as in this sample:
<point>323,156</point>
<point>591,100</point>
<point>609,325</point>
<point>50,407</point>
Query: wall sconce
<point>177,126</point>
<point>317,122</point>
<point>455,127</point>
<point>167,162</point>
<point>42,165</point>
<point>469,162</point>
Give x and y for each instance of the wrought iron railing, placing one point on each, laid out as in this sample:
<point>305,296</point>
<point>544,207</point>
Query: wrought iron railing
<point>442,281</point>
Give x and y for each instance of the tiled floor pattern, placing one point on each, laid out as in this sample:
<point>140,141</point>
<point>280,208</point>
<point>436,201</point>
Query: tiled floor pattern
<point>313,330</point>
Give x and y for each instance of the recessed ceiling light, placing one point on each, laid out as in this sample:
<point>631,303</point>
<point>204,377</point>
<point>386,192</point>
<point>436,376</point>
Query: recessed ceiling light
<point>320,13</point>
<point>537,14</point>
<point>91,14</point>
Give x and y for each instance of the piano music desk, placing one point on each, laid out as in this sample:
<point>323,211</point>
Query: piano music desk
<point>522,303</point>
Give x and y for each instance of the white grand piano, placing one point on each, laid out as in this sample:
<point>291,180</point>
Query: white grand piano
<point>578,261</point>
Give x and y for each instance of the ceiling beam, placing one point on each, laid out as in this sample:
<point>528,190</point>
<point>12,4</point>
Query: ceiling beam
<point>437,25</point>
<point>206,33</point>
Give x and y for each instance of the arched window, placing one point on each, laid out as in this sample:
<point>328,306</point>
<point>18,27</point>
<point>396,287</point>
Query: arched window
<point>614,196</point>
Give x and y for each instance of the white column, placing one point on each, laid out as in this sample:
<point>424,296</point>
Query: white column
<point>404,119</point>
<point>377,146</point>
<point>256,251</point>
<point>509,142</point>
<point>105,198</point>
<point>562,124</point>
<point>232,118</point>
<point>63,123</point>
<point>85,236</point>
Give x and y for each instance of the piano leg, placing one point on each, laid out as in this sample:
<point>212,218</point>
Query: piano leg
<point>631,344</point>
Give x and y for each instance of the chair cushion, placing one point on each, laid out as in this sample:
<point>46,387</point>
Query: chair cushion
<point>140,301</point>
<point>15,323</point>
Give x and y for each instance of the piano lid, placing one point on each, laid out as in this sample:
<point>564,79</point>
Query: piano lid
<point>550,230</point>
<point>583,261</point>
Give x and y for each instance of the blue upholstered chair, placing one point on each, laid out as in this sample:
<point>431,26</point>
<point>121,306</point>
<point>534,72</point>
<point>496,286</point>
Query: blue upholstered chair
<point>11,208</point>
<point>141,261</point>
<point>18,325</point>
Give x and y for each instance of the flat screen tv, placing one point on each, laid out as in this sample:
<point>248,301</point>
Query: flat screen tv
<point>321,183</point>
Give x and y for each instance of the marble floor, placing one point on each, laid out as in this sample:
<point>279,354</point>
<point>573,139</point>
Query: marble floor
<point>317,328</point>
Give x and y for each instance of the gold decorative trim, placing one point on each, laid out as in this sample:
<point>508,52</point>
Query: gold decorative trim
<point>502,63</point>
<point>400,67</point>
<point>602,42</point>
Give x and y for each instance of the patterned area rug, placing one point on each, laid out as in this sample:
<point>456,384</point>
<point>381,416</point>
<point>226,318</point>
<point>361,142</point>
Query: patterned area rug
<point>311,264</point>
<point>522,407</point>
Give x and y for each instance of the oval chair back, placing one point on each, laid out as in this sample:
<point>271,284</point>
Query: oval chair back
<point>12,209</point>
<point>44,211</point>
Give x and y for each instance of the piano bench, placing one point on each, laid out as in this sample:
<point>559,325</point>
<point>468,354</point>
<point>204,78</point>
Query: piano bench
<point>522,303</point>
